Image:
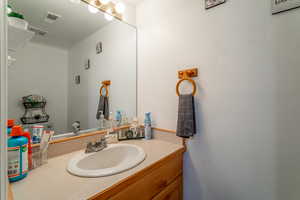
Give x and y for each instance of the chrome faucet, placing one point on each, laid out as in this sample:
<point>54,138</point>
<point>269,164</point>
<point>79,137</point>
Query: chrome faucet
<point>97,146</point>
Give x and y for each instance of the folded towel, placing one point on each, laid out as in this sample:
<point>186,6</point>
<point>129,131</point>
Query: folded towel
<point>103,107</point>
<point>186,123</point>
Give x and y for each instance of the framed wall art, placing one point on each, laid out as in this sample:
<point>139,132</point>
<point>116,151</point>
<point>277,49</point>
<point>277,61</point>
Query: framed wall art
<point>212,3</point>
<point>279,6</point>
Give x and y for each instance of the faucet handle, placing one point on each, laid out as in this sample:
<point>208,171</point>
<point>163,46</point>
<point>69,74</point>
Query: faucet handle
<point>103,141</point>
<point>89,147</point>
<point>91,144</point>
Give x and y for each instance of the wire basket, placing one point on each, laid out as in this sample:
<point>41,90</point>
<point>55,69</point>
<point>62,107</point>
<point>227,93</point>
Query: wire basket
<point>34,110</point>
<point>29,105</point>
<point>34,120</point>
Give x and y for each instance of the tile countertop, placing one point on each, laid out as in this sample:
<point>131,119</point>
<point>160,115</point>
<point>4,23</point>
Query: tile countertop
<point>52,181</point>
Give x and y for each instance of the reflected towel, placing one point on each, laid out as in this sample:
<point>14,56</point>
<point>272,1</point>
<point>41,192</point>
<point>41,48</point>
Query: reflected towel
<point>186,123</point>
<point>103,107</point>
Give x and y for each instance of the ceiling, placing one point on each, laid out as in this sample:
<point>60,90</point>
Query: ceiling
<point>76,21</point>
<point>133,2</point>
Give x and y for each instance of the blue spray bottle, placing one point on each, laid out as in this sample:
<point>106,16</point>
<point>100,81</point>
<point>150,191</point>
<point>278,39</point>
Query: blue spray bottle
<point>147,124</point>
<point>118,117</point>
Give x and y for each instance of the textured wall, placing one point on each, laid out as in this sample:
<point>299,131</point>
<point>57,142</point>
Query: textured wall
<point>248,99</point>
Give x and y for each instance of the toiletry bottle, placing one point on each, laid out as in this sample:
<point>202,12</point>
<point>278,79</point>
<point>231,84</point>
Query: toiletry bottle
<point>101,121</point>
<point>27,135</point>
<point>118,117</point>
<point>111,123</point>
<point>147,124</point>
<point>124,119</point>
<point>134,126</point>
<point>17,155</point>
<point>10,124</point>
<point>37,131</point>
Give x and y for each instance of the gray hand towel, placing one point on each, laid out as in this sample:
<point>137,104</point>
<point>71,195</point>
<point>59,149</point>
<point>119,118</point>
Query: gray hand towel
<point>186,123</point>
<point>103,107</point>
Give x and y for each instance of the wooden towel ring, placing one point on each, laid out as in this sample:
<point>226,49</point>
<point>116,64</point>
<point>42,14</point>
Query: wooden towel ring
<point>106,90</point>
<point>186,79</point>
<point>105,85</point>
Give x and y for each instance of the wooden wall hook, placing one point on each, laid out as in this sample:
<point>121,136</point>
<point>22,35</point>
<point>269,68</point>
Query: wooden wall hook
<point>188,73</point>
<point>107,82</point>
<point>105,85</point>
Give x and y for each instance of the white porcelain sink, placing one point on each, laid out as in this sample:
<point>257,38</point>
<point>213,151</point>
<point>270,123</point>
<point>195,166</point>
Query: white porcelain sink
<point>114,159</point>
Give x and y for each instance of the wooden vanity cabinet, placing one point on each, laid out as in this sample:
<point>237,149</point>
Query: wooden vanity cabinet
<point>172,191</point>
<point>160,181</point>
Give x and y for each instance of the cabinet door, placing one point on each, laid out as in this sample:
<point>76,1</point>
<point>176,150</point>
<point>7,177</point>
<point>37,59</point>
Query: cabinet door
<point>10,193</point>
<point>172,192</point>
<point>147,187</point>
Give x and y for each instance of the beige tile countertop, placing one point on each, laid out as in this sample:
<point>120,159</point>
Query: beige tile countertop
<point>52,181</point>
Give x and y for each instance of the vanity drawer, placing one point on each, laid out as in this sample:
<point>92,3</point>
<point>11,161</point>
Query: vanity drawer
<point>149,184</point>
<point>153,183</point>
<point>172,192</point>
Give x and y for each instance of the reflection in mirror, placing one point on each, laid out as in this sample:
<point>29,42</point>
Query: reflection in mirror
<point>62,52</point>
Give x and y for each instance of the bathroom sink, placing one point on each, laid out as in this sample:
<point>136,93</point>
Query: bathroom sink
<point>114,159</point>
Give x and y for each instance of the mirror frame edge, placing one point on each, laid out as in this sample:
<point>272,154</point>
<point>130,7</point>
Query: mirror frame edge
<point>3,100</point>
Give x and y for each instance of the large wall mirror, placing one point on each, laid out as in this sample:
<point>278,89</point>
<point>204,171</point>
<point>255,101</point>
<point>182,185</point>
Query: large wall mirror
<point>60,54</point>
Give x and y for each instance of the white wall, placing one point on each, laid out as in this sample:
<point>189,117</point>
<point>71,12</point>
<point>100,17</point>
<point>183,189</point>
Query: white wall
<point>286,45</point>
<point>248,104</point>
<point>130,13</point>
<point>41,70</point>
<point>117,63</point>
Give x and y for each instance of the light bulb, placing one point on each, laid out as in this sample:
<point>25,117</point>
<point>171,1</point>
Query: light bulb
<point>120,8</point>
<point>108,15</point>
<point>104,1</point>
<point>75,1</point>
<point>92,9</point>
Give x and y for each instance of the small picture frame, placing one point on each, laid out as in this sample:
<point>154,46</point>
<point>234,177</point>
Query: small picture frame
<point>279,6</point>
<point>77,79</point>
<point>131,134</point>
<point>213,3</point>
<point>87,64</point>
<point>99,48</point>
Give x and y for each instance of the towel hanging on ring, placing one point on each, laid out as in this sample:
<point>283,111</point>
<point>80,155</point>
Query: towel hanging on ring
<point>186,122</point>
<point>103,106</point>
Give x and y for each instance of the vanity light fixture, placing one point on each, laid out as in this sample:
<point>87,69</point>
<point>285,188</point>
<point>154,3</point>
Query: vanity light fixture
<point>104,2</point>
<point>92,8</point>
<point>75,1</point>
<point>108,15</point>
<point>120,8</point>
<point>110,8</point>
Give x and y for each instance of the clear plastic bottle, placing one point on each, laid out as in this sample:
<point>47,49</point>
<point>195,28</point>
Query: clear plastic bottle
<point>124,119</point>
<point>110,123</point>
<point>101,121</point>
<point>134,126</point>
